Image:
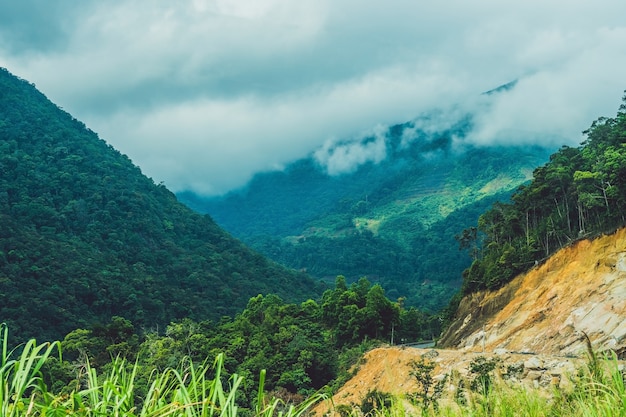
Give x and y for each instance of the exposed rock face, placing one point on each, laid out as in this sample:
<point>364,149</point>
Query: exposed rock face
<point>580,289</point>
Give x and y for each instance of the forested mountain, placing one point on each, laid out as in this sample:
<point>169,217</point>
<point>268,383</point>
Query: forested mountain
<point>85,236</point>
<point>393,219</point>
<point>579,193</point>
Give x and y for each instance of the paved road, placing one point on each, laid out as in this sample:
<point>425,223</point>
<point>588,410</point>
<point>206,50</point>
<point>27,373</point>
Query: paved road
<point>421,345</point>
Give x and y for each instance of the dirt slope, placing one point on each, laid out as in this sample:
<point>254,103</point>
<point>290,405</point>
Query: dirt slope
<point>388,370</point>
<point>582,288</point>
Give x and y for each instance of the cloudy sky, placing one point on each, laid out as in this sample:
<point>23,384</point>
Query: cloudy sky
<point>201,94</point>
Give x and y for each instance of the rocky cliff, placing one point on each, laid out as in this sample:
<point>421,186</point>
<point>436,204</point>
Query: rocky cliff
<point>579,290</point>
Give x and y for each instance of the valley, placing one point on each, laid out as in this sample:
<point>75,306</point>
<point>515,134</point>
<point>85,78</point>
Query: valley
<point>394,222</point>
<point>138,289</point>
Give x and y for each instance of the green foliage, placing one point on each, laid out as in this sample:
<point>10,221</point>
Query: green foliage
<point>302,347</point>
<point>375,400</point>
<point>205,388</point>
<point>580,192</point>
<point>601,387</point>
<point>189,389</point>
<point>359,312</point>
<point>85,236</point>
<point>482,368</point>
<point>102,342</point>
<point>429,390</point>
<point>21,377</point>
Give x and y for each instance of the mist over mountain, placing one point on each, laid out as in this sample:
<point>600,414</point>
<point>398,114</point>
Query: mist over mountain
<point>204,94</point>
<point>85,236</point>
<point>366,144</point>
<point>386,205</point>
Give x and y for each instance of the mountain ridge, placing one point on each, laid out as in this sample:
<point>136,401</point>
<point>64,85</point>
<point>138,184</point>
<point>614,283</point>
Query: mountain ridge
<point>84,235</point>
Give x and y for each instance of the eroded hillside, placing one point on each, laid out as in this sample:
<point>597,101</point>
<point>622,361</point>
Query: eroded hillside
<point>535,324</point>
<point>389,370</point>
<point>581,288</point>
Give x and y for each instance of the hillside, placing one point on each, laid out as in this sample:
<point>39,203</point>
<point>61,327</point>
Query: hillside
<point>564,231</point>
<point>84,235</point>
<point>392,219</point>
<point>387,370</point>
<point>534,324</point>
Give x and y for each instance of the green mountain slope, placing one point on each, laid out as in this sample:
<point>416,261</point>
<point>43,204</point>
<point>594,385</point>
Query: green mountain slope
<point>85,236</point>
<point>393,221</point>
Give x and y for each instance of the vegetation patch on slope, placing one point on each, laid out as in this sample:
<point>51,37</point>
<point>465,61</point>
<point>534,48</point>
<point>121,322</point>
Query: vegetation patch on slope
<point>580,192</point>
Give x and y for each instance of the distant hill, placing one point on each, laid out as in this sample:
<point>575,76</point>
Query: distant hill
<point>84,235</point>
<point>393,218</point>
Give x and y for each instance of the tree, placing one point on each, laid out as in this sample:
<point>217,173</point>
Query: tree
<point>468,240</point>
<point>381,314</point>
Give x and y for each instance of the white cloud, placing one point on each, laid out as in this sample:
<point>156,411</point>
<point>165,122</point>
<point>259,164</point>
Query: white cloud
<point>553,105</point>
<point>343,158</point>
<point>202,94</point>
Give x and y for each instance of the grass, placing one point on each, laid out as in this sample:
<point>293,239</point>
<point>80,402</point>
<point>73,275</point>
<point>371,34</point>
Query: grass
<point>607,401</point>
<point>190,390</point>
<point>20,378</point>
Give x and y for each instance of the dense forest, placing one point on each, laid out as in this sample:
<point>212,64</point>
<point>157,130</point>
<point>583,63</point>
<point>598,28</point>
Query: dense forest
<point>579,193</point>
<point>96,255</point>
<point>85,236</point>
<point>302,347</point>
<point>393,221</point>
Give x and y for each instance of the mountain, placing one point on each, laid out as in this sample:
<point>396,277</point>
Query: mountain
<point>580,192</point>
<point>393,217</point>
<point>85,236</point>
<point>544,298</point>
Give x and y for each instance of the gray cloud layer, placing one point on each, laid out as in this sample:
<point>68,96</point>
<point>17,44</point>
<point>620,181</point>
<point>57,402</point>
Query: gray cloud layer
<point>202,94</point>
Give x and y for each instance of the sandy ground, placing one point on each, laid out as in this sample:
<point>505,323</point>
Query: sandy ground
<point>388,370</point>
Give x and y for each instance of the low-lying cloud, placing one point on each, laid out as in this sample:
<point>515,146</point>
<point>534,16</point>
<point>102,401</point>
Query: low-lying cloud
<point>202,94</point>
<point>346,157</point>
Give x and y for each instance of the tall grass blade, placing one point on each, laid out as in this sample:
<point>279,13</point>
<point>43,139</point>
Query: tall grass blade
<point>20,378</point>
